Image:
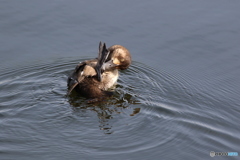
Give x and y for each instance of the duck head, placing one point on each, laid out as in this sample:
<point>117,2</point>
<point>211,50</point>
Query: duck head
<point>118,58</point>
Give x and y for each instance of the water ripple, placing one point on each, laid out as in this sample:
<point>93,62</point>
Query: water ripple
<point>149,110</point>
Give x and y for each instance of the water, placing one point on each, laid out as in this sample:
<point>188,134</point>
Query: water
<point>178,100</point>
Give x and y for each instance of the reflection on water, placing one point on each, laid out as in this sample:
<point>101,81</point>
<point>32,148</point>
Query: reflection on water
<point>107,107</point>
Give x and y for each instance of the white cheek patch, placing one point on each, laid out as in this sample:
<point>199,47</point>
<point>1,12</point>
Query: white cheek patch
<point>116,61</point>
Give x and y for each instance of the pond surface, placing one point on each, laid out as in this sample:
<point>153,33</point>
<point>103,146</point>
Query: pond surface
<point>178,100</point>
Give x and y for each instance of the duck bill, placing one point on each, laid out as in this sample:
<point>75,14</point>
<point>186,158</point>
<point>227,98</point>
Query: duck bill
<point>109,65</point>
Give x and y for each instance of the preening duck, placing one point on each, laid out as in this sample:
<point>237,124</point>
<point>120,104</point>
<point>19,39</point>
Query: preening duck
<point>93,78</point>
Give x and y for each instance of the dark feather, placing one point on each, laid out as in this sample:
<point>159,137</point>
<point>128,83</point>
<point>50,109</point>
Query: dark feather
<point>102,56</point>
<point>73,79</point>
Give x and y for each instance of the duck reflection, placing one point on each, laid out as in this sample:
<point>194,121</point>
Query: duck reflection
<point>106,108</point>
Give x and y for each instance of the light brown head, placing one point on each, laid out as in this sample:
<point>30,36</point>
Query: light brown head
<point>120,56</point>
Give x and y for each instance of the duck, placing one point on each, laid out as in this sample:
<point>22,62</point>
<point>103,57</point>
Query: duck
<point>95,77</point>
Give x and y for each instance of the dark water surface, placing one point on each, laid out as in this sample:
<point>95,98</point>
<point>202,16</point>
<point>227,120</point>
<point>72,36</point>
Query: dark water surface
<point>178,100</point>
